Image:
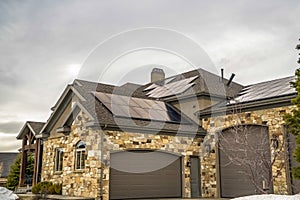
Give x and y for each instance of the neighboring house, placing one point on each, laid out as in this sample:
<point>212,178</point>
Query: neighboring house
<point>30,144</point>
<point>159,140</point>
<point>6,160</point>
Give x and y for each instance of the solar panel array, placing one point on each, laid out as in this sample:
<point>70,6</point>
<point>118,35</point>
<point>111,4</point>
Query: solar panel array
<point>170,88</point>
<point>131,107</point>
<point>266,90</point>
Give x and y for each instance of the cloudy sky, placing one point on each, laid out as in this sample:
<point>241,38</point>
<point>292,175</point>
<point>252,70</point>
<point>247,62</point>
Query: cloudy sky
<point>44,45</point>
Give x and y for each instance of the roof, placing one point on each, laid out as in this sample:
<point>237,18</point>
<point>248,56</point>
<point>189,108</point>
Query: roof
<point>105,117</point>
<point>34,127</point>
<point>6,160</point>
<point>265,90</point>
<point>268,93</point>
<point>102,116</point>
<point>204,83</point>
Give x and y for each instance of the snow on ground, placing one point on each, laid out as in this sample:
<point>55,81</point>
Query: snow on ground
<point>6,194</point>
<point>270,197</point>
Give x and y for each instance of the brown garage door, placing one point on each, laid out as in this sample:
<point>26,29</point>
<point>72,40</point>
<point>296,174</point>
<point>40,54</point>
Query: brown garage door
<point>144,174</point>
<point>240,150</point>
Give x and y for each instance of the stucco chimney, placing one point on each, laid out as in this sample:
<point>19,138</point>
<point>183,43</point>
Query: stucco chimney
<point>157,74</point>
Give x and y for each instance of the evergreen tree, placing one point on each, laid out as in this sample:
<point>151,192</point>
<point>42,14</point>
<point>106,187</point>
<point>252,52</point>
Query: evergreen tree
<point>14,174</point>
<point>293,120</point>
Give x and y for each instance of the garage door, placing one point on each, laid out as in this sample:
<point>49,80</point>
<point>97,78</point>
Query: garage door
<point>144,174</point>
<point>241,150</point>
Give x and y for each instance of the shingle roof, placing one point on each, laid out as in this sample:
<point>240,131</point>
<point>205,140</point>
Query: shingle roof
<point>6,160</point>
<point>266,90</point>
<point>104,116</point>
<point>35,126</point>
<point>205,83</point>
<point>255,93</point>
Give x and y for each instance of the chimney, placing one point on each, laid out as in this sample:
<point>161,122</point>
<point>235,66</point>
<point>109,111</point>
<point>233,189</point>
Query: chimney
<point>157,74</point>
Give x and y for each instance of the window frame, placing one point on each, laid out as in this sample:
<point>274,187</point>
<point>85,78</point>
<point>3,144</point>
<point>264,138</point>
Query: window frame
<point>58,164</point>
<point>80,152</point>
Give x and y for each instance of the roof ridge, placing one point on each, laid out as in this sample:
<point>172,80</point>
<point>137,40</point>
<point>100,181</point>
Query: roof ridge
<point>277,79</point>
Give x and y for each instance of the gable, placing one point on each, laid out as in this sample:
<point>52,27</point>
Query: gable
<point>65,111</point>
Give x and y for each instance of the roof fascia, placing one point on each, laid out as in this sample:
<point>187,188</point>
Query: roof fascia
<point>96,125</point>
<point>21,134</point>
<point>62,103</point>
<point>251,106</point>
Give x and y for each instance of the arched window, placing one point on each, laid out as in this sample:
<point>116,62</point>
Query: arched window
<point>80,155</point>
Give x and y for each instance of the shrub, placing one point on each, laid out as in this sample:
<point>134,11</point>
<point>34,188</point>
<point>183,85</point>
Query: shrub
<point>47,188</point>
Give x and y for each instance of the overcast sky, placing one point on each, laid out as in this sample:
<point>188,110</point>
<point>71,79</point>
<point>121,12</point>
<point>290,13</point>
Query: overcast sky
<point>44,45</point>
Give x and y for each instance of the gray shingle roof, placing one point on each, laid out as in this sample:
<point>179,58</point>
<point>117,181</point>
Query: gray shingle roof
<point>205,83</point>
<point>266,90</point>
<point>252,95</point>
<point>104,116</point>
<point>6,160</point>
<point>35,126</point>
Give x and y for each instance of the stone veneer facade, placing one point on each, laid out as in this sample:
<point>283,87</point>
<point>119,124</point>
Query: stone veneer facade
<point>87,182</point>
<point>272,117</point>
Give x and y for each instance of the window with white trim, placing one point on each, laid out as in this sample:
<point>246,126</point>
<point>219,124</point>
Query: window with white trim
<point>80,155</point>
<point>59,159</point>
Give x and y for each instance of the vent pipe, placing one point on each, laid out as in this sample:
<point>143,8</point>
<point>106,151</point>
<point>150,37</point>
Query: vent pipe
<point>230,80</point>
<point>222,73</point>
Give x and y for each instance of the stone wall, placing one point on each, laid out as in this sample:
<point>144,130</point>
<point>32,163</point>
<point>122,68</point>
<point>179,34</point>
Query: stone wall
<point>87,182</point>
<point>74,182</point>
<point>273,118</point>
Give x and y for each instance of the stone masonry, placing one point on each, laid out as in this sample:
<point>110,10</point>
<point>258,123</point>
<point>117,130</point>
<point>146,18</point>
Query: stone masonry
<point>273,118</point>
<point>87,182</point>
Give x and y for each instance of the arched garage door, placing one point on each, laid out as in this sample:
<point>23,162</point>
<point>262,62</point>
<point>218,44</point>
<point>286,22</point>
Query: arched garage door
<point>243,153</point>
<point>144,174</point>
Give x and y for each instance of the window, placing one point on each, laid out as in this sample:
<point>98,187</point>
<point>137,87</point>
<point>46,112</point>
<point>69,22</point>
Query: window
<point>80,155</point>
<point>58,159</point>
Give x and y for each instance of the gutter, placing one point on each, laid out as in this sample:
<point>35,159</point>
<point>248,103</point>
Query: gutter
<point>249,106</point>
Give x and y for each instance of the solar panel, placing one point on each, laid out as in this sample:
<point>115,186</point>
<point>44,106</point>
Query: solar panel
<point>172,88</point>
<point>152,86</point>
<point>265,90</point>
<point>138,108</point>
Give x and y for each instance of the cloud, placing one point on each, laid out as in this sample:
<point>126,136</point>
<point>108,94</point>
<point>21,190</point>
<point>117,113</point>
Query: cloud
<point>9,143</point>
<point>10,127</point>
<point>40,40</point>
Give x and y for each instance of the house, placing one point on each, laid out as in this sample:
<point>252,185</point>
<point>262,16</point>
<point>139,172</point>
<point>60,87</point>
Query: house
<point>159,140</point>
<point>33,145</point>
<point>6,160</point>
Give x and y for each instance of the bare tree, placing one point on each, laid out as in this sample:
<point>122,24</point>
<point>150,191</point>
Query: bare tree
<point>253,153</point>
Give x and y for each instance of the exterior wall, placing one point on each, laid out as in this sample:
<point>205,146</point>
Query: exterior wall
<point>87,182</point>
<point>191,105</point>
<point>183,146</point>
<point>273,118</point>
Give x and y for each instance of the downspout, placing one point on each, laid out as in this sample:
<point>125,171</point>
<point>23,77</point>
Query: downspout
<point>37,160</point>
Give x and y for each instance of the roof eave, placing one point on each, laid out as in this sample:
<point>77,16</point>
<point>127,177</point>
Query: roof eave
<point>248,106</point>
<point>96,125</point>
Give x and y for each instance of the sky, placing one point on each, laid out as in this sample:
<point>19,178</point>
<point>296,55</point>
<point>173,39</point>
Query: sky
<point>45,45</point>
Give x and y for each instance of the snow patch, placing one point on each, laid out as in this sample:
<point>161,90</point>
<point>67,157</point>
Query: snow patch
<point>270,197</point>
<point>6,194</point>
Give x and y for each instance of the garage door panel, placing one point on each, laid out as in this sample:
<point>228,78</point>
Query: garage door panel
<point>233,180</point>
<point>145,181</point>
